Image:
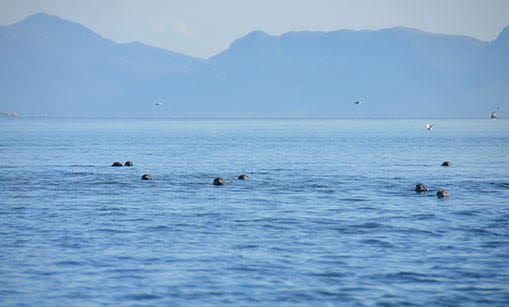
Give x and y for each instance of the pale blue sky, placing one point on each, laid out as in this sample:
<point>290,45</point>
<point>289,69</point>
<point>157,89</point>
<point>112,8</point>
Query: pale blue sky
<point>204,28</point>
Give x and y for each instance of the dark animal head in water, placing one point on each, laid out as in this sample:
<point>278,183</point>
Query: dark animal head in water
<point>218,181</point>
<point>421,188</point>
<point>441,193</point>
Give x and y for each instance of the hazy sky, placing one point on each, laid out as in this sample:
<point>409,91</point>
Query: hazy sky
<point>204,28</point>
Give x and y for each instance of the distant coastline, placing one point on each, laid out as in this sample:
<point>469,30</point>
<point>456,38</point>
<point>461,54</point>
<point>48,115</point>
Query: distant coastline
<point>17,114</point>
<point>397,73</point>
<point>8,114</point>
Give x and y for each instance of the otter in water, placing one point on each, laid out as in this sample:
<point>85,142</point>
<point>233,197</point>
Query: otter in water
<point>446,163</point>
<point>116,164</point>
<point>243,177</point>
<point>129,163</point>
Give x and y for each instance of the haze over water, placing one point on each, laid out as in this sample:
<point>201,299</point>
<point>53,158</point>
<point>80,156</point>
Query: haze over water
<point>329,215</point>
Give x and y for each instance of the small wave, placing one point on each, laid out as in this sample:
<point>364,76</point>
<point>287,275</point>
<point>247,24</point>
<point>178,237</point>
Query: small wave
<point>354,199</point>
<point>424,216</point>
<point>404,276</point>
<point>482,232</point>
<point>504,185</point>
<point>142,296</point>
<point>245,246</point>
<point>467,212</point>
<point>495,244</point>
<point>378,243</point>
<point>68,263</point>
<point>80,173</point>
<point>110,209</point>
<point>318,186</point>
<point>361,228</point>
<point>244,268</point>
<point>112,231</point>
<point>416,231</point>
<point>368,225</point>
<point>158,228</point>
<point>332,274</point>
<point>106,182</point>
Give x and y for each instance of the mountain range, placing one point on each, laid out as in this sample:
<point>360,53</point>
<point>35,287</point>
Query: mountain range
<point>58,67</point>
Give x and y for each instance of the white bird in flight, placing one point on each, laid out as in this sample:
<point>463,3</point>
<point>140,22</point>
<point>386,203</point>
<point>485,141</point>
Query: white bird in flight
<point>158,104</point>
<point>429,127</point>
<point>494,114</point>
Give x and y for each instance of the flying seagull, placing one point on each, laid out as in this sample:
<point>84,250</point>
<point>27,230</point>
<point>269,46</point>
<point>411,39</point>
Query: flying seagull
<point>494,114</point>
<point>358,102</point>
<point>158,104</point>
<point>429,127</point>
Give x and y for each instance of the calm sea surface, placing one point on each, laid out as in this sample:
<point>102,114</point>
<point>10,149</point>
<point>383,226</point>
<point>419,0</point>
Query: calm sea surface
<point>329,216</point>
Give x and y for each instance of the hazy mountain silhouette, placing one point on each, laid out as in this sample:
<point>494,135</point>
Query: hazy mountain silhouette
<point>59,67</point>
<point>51,65</point>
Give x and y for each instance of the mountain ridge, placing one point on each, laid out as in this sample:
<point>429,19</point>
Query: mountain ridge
<point>51,65</point>
<point>45,17</point>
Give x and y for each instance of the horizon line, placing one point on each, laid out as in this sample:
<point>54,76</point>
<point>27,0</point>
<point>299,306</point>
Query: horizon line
<point>237,118</point>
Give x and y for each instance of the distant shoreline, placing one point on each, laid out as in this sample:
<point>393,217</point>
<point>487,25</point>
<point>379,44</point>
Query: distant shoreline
<point>21,116</point>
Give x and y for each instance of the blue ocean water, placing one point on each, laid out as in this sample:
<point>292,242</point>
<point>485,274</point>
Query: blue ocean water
<point>328,217</point>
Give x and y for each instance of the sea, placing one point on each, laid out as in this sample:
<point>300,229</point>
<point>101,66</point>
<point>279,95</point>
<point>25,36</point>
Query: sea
<point>328,217</point>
